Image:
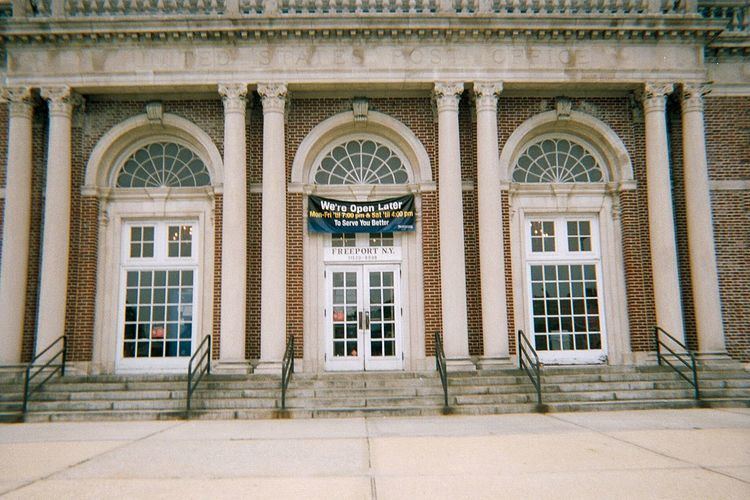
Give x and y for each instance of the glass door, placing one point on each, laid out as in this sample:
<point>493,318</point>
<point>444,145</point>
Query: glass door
<point>363,330</point>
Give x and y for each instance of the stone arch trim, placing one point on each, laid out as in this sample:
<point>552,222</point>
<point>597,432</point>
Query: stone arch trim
<point>109,151</point>
<point>378,124</point>
<point>594,131</point>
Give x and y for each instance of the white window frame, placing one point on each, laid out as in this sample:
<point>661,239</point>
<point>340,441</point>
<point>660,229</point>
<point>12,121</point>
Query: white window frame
<point>193,205</point>
<point>561,256</point>
<point>539,201</point>
<point>159,261</point>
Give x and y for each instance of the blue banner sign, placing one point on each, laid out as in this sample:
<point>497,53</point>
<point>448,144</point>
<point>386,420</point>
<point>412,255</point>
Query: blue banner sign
<point>381,216</point>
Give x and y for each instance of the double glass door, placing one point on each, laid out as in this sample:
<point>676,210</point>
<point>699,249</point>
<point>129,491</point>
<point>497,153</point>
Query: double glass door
<point>363,318</point>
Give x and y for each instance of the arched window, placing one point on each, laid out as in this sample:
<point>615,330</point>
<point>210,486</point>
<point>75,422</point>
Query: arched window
<point>163,164</point>
<point>361,161</point>
<point>557,160</point>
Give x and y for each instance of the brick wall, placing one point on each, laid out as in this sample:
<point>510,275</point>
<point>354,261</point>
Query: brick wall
<point>38,155</point>
<point>254,138</point>
<point>727,121</point>
<point>728,160</point>
<point>677,174</point>
<point>468,144</point>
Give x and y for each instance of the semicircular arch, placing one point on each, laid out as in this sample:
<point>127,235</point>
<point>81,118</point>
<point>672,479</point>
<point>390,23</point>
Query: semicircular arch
<point>594,132</point>
<point>377,124</point>
<point>110,151</point>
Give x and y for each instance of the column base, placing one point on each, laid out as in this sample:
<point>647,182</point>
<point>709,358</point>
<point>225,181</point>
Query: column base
<point>493,363</point>
<point>460,365</point>
<point>268,368</point>
<point>231,367</point>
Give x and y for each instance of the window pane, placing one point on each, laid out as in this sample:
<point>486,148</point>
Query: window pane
<point>361,161</point>
<point>553,311</point>
<point>556,160</point>
<point>163,164</point>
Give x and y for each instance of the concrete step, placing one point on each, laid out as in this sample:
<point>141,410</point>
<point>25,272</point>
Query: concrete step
<point>642,404</point>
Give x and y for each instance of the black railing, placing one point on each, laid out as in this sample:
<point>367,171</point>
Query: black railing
<point>680,357</point>
<point>528,361</point>
<point>196,372</point>
<point>440,366</point>
<point>287,368</point>
<point>29,387</point>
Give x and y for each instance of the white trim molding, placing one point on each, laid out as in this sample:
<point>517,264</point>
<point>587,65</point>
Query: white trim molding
<point>120,139</point>
<point>598,134</point>
<point>731,185</point>
<point>377,124</point>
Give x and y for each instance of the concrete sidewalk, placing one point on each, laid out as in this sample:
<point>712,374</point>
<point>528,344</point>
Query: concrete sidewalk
<point>641,454</point>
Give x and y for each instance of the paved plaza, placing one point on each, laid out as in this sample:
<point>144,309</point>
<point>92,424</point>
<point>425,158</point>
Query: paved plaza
<point>702,453</point>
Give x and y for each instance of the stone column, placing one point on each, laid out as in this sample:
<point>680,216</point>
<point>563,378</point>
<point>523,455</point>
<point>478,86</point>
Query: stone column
<point>53,289</point>
<point>703,272</point>
<point>16,224</point>
<point>491,252</point>
<point>234,231</point>
<point>660,212</point>
<point>452,258</point>
<point>273,247</point>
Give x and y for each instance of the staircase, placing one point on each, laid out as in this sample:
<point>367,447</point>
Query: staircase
<point>582,388</point>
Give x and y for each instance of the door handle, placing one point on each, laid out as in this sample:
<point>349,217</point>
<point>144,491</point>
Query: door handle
<point>360,322</point>
<point>367,320</point>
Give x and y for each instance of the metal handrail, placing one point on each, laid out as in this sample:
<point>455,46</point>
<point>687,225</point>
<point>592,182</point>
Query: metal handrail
<point>28,388</point>
<point>440,366</point>
<point>679,356</point>
<point>532,366</point>
<point>195,376</point>
<point>287,368</point>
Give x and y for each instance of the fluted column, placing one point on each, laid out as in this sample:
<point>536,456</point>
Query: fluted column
<point>234,230</point>
<point>16,224</point>
<point>452,258</point>
<point>660,212</point>
<point>273,247</point>
<point>56,240</point>
<point>703,271</point>
<point>491,252</point>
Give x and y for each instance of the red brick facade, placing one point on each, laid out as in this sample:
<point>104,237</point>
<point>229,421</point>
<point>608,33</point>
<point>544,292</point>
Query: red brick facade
<point>728,148</point>
<point>727,122</point>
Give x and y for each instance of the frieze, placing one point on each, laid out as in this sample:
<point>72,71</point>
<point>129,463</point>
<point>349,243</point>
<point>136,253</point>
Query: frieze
<point>294,62</point>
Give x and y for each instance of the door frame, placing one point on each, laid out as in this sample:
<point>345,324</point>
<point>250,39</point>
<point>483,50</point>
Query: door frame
<point>364,360</point>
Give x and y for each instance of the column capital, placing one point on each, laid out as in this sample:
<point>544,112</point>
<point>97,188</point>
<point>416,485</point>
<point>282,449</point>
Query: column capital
<point>654,95</point>
<point>61,100</point>
<point>273,97</point>
<point>691,96</point>
<point>20,99</point>
<point>485,95</point>
<point>447,95</point>
<point>233,97</point>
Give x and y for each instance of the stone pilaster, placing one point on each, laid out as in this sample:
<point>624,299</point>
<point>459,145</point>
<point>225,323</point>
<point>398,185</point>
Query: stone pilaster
<point>56,239</point>
<point>273,247</point>
<point>491,252</point>
<point>661,212</point>
<point>452,258</point>
<point>234,231</point>
<point>703,271</point>
<point>16,224</point>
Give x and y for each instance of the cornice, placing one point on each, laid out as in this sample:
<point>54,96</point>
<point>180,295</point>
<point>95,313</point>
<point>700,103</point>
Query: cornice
<point>636,28</point>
